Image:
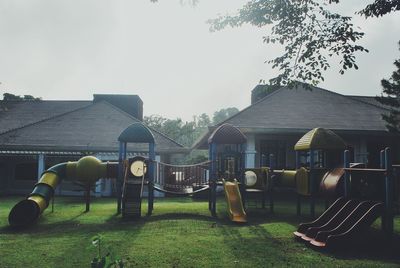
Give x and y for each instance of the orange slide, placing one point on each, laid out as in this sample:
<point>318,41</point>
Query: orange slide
<point>234,201</point>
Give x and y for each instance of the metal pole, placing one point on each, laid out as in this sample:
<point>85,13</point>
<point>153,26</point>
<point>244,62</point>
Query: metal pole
<point>312,182</point>
<point>346,164</point>
<point>210,157</point>
<point>119,178</point>
<point>271,161</point>
<point>213,179</point>
<point>388,193</point>
<point>382,159</point>
<point>152,156</point>
<point>297,159</point>
<point>298,201</point>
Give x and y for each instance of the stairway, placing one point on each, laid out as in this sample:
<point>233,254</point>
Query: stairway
<point>131,198</point>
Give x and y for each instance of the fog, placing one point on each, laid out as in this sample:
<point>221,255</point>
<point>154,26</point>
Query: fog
<point>164,52</point>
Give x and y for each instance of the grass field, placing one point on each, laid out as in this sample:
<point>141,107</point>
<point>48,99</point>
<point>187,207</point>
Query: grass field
<point>180,233</point>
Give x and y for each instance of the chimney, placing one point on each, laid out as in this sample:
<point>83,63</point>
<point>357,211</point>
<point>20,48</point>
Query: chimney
<point>131,104</point>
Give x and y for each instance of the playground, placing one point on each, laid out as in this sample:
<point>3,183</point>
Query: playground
<point>221,213</point>
<point>180,233</point>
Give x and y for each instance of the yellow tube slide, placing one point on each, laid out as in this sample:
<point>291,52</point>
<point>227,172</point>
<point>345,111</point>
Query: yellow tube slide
<point>88,169</point>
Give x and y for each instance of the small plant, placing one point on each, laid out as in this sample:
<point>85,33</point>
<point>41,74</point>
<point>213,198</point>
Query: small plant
<point>106,260</point>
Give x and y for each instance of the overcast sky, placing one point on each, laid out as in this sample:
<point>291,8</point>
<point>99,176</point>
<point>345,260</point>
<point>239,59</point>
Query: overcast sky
<point>164,52</point>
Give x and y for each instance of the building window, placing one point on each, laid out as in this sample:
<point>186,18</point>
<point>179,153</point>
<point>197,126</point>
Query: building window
<point>26,171</point>
<point>277,149</point>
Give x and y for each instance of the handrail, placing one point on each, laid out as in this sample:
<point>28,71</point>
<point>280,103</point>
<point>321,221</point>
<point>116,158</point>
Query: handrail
<point>366,169</point>
<point>184,166</point>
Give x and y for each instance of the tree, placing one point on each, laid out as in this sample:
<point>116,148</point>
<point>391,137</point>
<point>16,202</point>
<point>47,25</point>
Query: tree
<point>391,98</point>
<point>185,133</point>
<point>223,114</point>
<point>12,97</point>
<point>310,33</point>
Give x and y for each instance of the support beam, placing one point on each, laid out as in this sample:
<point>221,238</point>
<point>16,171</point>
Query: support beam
<point>250,153</point>
<point>346,161</point>
<point>388,194</point>
<point>150,197</point>
<point>312,184</point>
<point>119,178</point>
<point>213,179</point>
<point>41,164</point>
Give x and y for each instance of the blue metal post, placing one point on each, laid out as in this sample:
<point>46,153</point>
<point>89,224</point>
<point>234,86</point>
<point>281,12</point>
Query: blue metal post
<point>271,161</point>
<point>312,182</point>
<point>382,159</point>
<point>210,157</point>
<point>346,164</point>
<point>388,194</point>
<point>242,170</point>
<point>125,151</point>
<point>298,207</point>
<point>120,174</point>
<point>213,178</point>
<point>150,195</point>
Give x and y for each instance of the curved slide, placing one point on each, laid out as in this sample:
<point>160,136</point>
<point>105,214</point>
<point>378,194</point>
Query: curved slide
<point>234,201</point>
<point>86,169</point>
<point>340,223</point>
<point>323,219</point>
<point>358,220</point>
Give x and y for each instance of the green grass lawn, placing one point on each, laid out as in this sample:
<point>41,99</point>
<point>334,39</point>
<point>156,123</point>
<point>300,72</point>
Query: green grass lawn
<point>180,233</point>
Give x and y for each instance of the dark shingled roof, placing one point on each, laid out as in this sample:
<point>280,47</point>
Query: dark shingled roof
<point>298,110</point>
<point>370,100</point>
<point>94,128</point>
<point>16,114</point>
<point>303,109</point>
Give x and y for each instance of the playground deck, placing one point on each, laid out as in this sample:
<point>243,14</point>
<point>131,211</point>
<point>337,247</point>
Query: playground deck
<point>180,233</point>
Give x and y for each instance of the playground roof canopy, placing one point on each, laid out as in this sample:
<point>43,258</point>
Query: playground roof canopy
<point>320,139</point>
<point>227,134</point>
<point>138,133</point>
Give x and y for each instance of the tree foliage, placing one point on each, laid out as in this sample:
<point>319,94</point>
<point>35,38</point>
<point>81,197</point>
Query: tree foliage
<point>310,33</point>
<point>223,114</point>
<point>12,97</point>
<point>186,133</point>
<point>380,7</point>
<point>391,97</point>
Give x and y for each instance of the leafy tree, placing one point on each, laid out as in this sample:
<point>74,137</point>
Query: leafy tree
<point>223,114</point>
<point>391,98</point>
<point>12,97</point>
<point>309,32</point>
<point>202,121</point>
<point>187,133</point>
<point>260,91</point>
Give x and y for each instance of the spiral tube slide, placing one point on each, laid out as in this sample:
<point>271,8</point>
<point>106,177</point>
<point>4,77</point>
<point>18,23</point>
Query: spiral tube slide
<point>86,169</point>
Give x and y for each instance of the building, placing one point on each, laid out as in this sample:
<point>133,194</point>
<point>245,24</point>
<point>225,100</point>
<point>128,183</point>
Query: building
<point>274,123</point>
<point>35,135</point>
